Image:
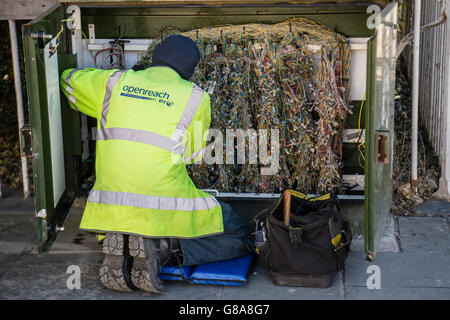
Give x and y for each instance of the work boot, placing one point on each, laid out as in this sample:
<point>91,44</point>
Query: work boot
<point>115,272</point>
<point>150,255</point>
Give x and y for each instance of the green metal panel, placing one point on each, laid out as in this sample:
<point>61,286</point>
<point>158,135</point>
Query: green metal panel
<point>380,128</point>
<point>224,2</point>
<point>54,120</point>
<point>45,120</point>
<point>147,22</point>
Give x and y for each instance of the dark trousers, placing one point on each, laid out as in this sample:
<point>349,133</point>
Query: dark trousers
<point>236,241</point>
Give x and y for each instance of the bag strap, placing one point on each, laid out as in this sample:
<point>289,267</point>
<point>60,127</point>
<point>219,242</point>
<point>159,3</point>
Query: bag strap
<point>261,216</point>
<point>261,213</point>
<point>264,250</point>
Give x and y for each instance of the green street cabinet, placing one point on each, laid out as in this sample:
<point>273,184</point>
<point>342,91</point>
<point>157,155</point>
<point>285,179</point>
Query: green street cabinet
<point>61,142</point>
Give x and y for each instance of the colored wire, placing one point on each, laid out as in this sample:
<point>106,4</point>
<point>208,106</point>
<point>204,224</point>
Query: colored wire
<point>292,76</point>
<point>359,128</point>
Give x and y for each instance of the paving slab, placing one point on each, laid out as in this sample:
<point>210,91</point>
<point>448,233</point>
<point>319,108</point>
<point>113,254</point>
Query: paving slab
<point>46,277</point>
<point>390,293</point>
<point>388,241</point>
<point>72,239</point>
<point>400,269</point>
<point>430,234</point>
<point>6,260</point>
<point>420,272</point>
<point>260,287</point>
<point>43,277</point>
<point>92,289</point>
<point>434,207</point>
<point>12,200</point>
<point>16,226</point>
<point>17,234</point>
<point>9,220</point>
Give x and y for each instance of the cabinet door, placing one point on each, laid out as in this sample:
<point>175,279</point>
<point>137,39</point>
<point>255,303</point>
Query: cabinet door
<point>42,67</point>
<point>380,128</point>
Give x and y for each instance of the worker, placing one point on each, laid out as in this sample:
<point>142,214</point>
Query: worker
<point>143,200</point>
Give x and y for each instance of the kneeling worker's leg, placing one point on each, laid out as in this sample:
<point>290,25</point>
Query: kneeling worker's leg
<point>236,241</point>
<point>150,255</point>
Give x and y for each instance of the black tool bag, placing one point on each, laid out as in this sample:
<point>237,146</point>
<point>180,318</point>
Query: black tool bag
<point>312,249</point>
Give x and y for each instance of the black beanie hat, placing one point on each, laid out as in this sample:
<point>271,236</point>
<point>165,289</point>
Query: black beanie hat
<point>179,53</point>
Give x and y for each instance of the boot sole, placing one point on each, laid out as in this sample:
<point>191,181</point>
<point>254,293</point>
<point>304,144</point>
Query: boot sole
<point>140,275</point>
<point>111,272</point>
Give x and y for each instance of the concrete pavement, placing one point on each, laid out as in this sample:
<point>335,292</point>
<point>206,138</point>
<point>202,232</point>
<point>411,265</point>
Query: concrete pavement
<point>419,271</point>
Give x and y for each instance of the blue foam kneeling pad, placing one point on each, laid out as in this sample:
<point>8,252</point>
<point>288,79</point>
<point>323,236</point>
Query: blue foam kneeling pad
<point>226,273</point>
<point>176,273</point>
<point>229,273</point>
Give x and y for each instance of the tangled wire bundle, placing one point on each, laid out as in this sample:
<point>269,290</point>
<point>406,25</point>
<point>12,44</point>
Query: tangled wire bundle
<point>292,76</point>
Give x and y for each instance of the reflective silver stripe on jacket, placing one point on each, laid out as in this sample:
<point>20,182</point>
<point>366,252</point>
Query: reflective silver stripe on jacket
<point>141,136</point>
<point>112,80</point>
<point>148,137</point>
<point>67,79</point>
<point>188,114</point>
<point>69,89</point>
<point>74,101</point>
<point>152,202</point>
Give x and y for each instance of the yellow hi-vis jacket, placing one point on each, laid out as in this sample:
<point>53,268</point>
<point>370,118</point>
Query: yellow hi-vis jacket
<point>150,124</point>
